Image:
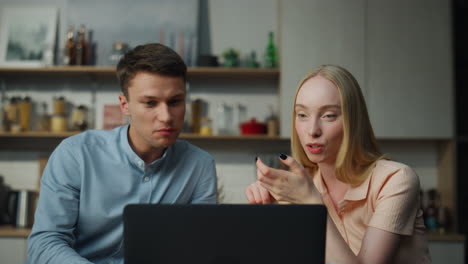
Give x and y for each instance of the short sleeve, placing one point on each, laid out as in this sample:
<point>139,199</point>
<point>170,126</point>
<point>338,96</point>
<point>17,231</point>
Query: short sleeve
<point>397,203</point>
<point>206,188</point>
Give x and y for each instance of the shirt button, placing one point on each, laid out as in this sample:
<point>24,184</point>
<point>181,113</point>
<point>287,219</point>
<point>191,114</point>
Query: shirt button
<point>140,163</point>
<point>146,179</point>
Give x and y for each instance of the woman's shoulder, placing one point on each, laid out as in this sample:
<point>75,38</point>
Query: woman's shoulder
<point>396,171</point>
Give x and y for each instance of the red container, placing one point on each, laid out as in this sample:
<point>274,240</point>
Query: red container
<point>253,127</point>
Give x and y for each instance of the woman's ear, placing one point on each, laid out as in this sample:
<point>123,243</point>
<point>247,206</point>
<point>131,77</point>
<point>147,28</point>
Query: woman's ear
<point>124,104</point>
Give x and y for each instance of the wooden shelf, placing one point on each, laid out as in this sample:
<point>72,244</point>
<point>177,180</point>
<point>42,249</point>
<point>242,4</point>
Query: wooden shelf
<point>36,134</point>
<point>193,72</point>
<point>11,231</point>
<point>47,141</point>
<point>445,237</point>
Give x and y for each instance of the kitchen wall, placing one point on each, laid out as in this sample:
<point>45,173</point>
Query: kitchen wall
<point>243,25</point>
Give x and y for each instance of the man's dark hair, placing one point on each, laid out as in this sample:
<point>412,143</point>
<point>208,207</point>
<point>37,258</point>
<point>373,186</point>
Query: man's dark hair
<point>151,58</point>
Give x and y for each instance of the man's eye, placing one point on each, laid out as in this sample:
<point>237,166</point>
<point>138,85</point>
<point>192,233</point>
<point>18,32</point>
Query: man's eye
<point>150,103</point>
<point>175,102</point>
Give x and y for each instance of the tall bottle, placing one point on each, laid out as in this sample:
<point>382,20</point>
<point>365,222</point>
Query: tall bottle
<point>81,47</point>
<point>69,57</point>
<point>271,59</point>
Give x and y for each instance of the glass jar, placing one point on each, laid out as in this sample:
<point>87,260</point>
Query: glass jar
<point>78,118</point>
<point>118,51</point>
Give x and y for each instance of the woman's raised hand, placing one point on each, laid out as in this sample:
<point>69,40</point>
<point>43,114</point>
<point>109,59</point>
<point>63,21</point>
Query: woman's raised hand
<point>294,186</point>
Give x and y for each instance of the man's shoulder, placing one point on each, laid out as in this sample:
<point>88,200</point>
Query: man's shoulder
<point>93,137</point>
<point>182,147</point>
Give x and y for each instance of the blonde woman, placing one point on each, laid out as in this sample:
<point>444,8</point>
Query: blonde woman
<point>374,214</point>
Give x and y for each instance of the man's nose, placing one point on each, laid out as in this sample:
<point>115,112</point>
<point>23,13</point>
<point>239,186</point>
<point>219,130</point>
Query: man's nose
<point>164,113</point>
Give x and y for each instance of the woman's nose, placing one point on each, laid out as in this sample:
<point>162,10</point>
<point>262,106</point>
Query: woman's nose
<point>315,129</point>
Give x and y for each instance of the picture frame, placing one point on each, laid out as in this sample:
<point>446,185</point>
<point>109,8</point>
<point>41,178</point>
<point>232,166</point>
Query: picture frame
<point>27,36</point>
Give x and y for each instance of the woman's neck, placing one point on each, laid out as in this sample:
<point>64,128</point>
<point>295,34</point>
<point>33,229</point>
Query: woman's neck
<point>328,172</point>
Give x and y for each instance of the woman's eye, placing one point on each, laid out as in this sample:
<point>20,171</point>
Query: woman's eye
<point>330,116</point>
<point>300,115</point>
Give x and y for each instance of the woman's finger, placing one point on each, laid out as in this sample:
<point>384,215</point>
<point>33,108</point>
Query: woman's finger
<point>256,193</point>
<point>265,195</point>
<point>249,195</point>
<point>264,179</point>
<point>264,169</point>
<point>293,165</point>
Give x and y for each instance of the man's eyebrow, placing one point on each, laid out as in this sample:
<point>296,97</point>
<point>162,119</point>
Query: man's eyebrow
<point>180,95</point>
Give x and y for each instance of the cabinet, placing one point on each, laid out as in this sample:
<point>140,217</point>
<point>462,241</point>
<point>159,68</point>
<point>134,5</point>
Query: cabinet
<point>409,72</point>
<point>315,33</point>
<point>399,51</point>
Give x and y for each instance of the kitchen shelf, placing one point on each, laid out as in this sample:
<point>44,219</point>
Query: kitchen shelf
<point>450,237</point>
<point>62,135</point>
<point>11,231</point>
<point>193,72</point>
<point>47,141</point>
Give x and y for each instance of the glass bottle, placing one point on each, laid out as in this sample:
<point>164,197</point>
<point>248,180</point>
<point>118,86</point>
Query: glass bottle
<point>431,211</point>
<point>69,57</point>
<point>43,119</point>
<point>81,47</point>
<point>221,121</point>
<point>239,116</point>
<point>272,123</point>
<point>270,53</point>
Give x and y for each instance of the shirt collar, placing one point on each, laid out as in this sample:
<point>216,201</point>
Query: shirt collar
<point>133,157</point>
<point>356,193</point>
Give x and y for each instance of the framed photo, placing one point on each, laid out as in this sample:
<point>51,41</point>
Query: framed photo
<point>27,36</point>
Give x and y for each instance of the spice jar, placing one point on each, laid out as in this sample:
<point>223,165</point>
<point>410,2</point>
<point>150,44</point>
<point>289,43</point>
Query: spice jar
<point>24,107</point>
<point>205,127</point>
<point>11,115</point>
<point>78,118</point>
<point>58,123</point>
<point>43,119</point>
<point>59,106</point>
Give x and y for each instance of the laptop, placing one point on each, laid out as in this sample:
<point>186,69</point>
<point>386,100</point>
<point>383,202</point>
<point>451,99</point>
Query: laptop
<point>226,234</point>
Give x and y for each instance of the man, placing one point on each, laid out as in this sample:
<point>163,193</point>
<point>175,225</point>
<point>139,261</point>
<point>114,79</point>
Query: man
<point>90,177</point>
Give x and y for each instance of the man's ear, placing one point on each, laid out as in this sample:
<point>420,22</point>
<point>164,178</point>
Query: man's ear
<point>124,104</point>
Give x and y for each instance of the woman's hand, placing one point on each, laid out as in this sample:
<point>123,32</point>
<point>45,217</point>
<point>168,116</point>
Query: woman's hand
<point>294,186</point>
<point>257,194</point>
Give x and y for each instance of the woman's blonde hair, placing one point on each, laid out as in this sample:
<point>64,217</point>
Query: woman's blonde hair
<point>358,151</point>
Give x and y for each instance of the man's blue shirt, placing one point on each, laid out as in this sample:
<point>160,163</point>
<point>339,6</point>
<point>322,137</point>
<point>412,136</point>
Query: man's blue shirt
<point>88,181</point>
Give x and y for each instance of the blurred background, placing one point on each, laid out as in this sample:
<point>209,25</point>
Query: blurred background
<point>245,58</point>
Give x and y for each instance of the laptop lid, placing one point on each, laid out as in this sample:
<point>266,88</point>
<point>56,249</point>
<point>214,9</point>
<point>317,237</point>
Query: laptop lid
<point>224,234</point>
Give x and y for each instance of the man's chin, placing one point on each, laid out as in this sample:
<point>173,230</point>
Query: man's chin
<point>164,142</point>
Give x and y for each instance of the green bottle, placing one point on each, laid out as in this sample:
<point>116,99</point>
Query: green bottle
<point>271,60</point>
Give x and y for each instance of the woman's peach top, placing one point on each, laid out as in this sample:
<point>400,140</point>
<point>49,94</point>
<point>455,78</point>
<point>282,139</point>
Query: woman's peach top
<point>389,199</point>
